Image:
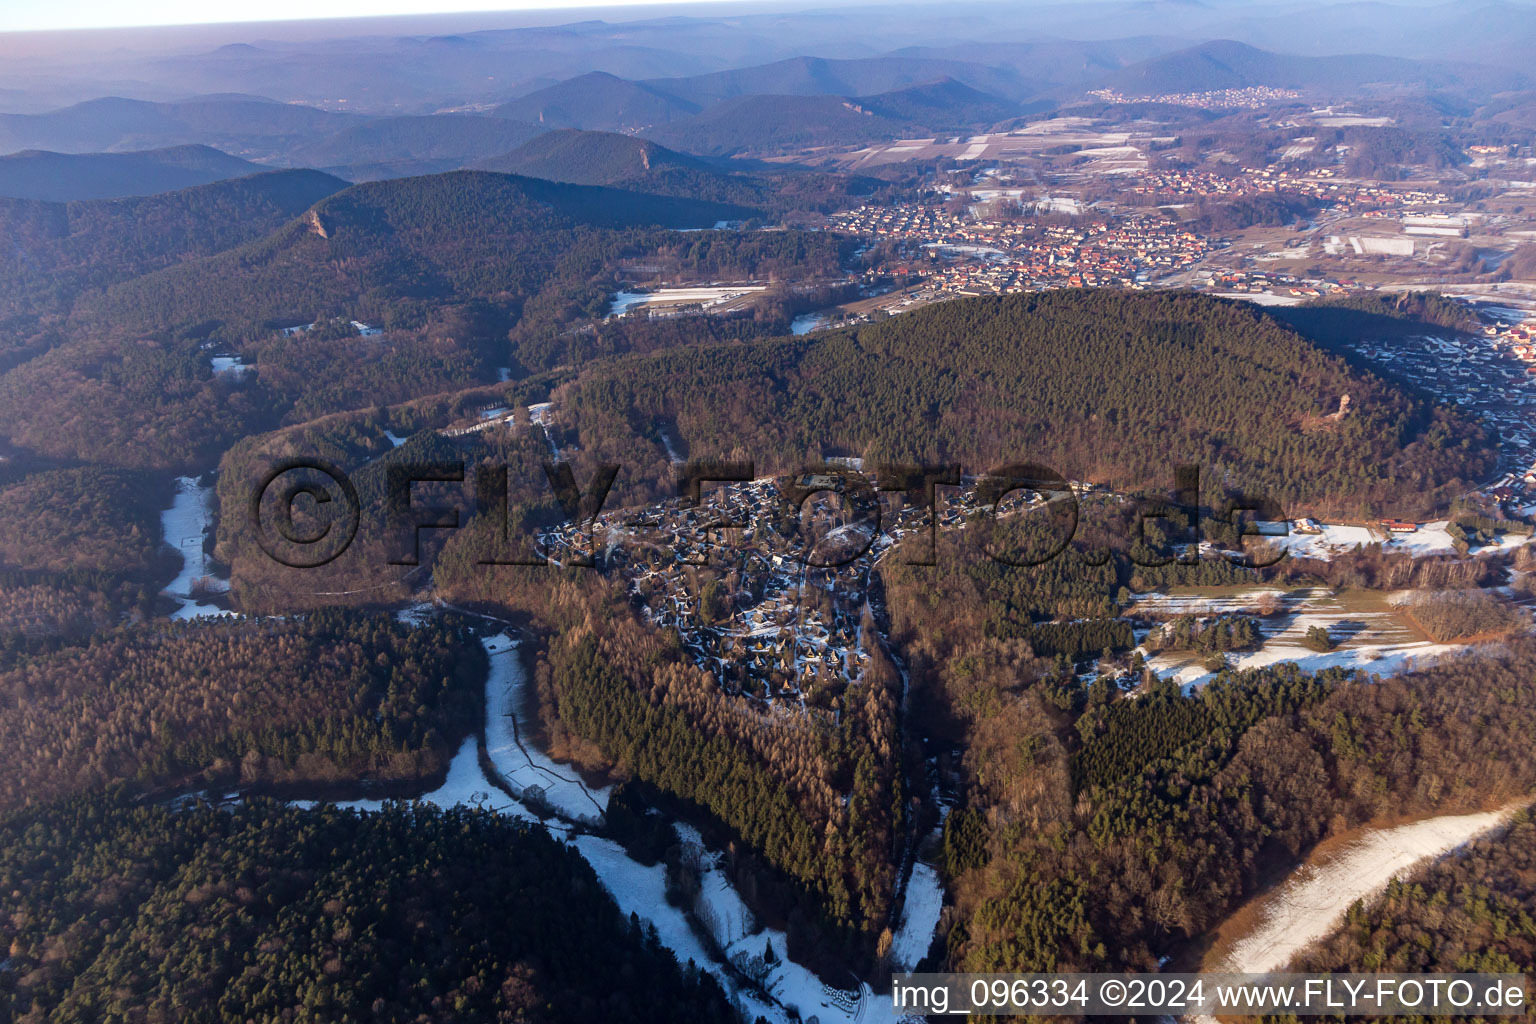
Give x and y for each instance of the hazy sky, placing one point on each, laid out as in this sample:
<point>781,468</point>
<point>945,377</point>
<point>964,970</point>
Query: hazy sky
<point>62,14</point>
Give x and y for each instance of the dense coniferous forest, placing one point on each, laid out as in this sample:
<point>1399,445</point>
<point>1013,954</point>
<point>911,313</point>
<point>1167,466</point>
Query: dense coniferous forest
<point>117,911</point>
<point>106,520</point>
<point>334,696</point>
<point>1168,809</point>
<point>80,552</point>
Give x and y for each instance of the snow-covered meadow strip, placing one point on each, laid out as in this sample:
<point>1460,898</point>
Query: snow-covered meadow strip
<point>522,764</point>
<point>466,784</point>
<point>183,527</point>
<point>1310,904</point>
<point>919,917</point>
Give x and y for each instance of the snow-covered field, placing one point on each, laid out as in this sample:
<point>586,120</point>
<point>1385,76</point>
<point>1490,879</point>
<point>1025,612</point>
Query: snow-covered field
<point>1261,298</point>
<point>805,323</point>
<point>522,765</point>
<point>230,366</point>
<point>1370,634</point>
<point>1332,540</point>
<point>919,917</point>
<point>623,301</point>
<point>1311,903</point>
<point>183,526</point>
<point>466,784</point>
<point>1429,539</point>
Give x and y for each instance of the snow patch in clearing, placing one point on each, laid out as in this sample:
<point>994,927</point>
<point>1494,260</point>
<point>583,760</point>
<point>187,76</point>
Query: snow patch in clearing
<point>466,784</point>
<point>183,527</point>
<point>524,767</point>
<point>1429,539</point>
<point>1313,900</point>
<point>1332,540</point>
<point>919,917</point>
<point>234,367</point>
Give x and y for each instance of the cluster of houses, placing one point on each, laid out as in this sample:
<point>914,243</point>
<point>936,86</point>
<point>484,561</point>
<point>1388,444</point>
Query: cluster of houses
<point>961,255</point>
<point>743,601</point>
<point>1253,97</point>
<point>1168,185</point>
<point>1259,282</point>
<point>746,603</point>
<point>364,330</point>
<point>1491,374</point>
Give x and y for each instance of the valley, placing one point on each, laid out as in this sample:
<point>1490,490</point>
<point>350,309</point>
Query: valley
<point>695,514</point>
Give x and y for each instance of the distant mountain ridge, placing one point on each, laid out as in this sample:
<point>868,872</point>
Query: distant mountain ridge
<point>816,76</point>
<point>590,158</point>
<point>408,146</point>
<point>278,134</point>
<point>761,123</point>
<point>237,123</point>
<point>1227,64</point>
<point>62,177</point>
<point>598,100</point>
<point>641,165</point>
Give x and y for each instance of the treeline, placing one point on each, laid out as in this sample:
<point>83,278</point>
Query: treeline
<point>116,911</point>
<point>335,696</point>
<point>1222,633</point>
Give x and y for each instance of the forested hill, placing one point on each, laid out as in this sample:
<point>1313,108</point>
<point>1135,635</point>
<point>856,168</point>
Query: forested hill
<point>590,158</point>
<point>624,161</point>
<point>265,912</point>
<point>446,264</point>
<point>439,238</point>
<point>1107,386</point>
<point>608,158</point>
<point>63,247</point>
<point>39,174</point>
